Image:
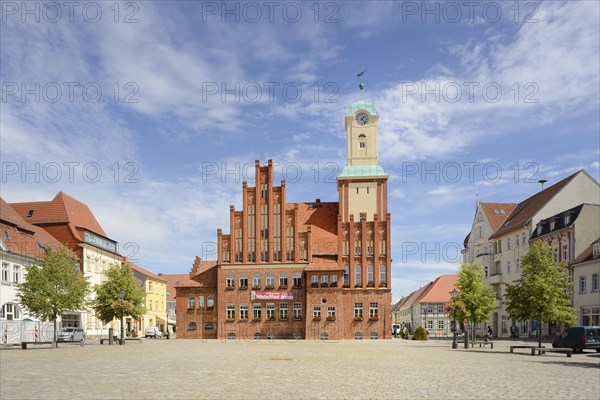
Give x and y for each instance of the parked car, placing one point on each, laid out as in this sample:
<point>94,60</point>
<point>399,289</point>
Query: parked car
<point>70,334</point>
<point>153,332</point>
<point>579,338</point>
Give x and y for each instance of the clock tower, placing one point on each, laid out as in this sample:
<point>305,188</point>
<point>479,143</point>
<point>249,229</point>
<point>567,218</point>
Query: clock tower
<point>362,185</point>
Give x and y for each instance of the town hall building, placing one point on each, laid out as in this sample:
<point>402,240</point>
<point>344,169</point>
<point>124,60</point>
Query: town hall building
<point>311,270</point>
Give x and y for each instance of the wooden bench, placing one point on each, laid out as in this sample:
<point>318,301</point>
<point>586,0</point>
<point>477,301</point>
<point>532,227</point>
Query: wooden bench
<point>102,340</point>
<point>483,344</point>
<point>543,350</point>
<point>116,340</point>
<point>525,347</point>
<point>134,339</point>
<point>25,344</point>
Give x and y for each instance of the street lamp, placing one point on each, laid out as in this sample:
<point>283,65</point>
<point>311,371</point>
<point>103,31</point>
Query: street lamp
<point>454,294</point>
<point>122,341</point>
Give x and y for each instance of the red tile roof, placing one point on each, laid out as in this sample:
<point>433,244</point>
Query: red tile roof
<point>61,209</point>
<point>439,290</point>
<point>496,220</point>
<point>172,280</point>
<point>526,209</point>
<point>587,254</point>
<point>23,238</point>
<point>322,218</point>
<point>414,296</point>
<point>144,271</point>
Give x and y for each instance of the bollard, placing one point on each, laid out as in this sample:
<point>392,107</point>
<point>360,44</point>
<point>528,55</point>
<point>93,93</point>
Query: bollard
<point>110,336</point>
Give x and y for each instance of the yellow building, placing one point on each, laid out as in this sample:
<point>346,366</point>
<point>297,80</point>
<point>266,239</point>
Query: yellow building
<point>155,288</point>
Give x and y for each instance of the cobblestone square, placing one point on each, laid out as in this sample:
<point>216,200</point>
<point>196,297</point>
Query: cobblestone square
<point>383,369</point>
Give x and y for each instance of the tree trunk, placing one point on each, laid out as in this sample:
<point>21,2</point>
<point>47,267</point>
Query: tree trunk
<point>55,333</point>
<point>540,325</point>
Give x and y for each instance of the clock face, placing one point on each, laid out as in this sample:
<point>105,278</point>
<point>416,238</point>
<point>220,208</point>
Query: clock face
<point>362,118</point>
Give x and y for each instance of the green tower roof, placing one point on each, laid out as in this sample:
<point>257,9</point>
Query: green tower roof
<point>362,170</point>
<point>361,105</point>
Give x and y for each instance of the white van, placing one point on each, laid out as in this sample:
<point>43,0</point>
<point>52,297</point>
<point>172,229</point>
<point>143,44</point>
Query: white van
<point>153,332</point>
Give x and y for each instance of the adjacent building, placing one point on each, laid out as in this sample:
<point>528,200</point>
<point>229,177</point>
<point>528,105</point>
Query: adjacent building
<point>586,278</point>
<point>427,307</point>
<point>155,300</point>
<point>308,270</point>
<point>71,222</point>
<point>499,254</point>
<point>22,246</point>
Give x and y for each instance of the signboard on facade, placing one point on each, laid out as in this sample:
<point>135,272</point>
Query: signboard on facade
<point>96,240</point>
<point>271,295</point>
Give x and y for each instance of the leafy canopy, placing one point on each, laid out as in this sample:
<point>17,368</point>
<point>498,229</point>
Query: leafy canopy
<point>55,287</point>
<point>543,291</point>
<point>475,301</point>
<point>108,304</point>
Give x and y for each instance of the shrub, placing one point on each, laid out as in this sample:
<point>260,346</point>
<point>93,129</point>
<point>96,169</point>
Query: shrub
<point>420,334</point>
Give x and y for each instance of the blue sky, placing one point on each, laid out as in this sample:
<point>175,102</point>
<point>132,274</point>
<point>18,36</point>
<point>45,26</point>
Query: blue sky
<point>527,74</point>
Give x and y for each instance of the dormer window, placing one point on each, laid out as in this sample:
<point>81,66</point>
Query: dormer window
<point>539,229</point>
<point>552,224</point>
<point>30,213</point>
<point>567,219</point>
<point>596,250</point>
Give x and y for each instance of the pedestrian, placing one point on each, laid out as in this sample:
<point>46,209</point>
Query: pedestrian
<point>489,332</point>
<point>405,333</point>
<point>513,331</point>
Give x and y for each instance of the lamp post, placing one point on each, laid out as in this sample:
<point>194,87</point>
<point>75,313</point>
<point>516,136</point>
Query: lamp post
<point>454,298</point>
<point>122,341</point>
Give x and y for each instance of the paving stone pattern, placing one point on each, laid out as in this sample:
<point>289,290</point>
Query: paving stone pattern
<point>379,369</point>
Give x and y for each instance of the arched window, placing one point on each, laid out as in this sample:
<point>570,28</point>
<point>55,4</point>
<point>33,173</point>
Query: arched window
<point>200,301</point>
<point>192,326</point>
<point>346,275</point>
<point>10,311</point>
<point>362,141</point>
<point>370,274</point>
<point>382,277</point>
<point>191,302</point>
<point>210,301</point>
<point>358,276</point>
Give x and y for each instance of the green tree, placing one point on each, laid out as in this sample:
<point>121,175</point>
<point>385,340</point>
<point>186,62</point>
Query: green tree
<point>108,304</point>
<point>475,301</point>
<point>543,291</point>
<point>55,287</point>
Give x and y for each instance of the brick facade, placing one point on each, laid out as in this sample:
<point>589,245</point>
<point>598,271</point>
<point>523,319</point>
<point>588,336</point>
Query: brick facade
<point>299,270</point>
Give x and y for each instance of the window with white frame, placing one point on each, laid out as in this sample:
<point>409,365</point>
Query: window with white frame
<point>16,273</point>
<point>200,301</point>
<point>374,336</point>
<point>230,312</point>
<point>507,243</point>
<point>370,274</point>
<point>191,302</point>
<point>256,280</point>
<point>358,276</point>
<point>324,280</point>
<point>257,311</point>
<point>346,275</point>
<point>243,280</point>
<point>210,301</point>
<point>582,284</point>
<point>230,281</point>
<point>283,279</point>
<point>333,279</point>
<point>382,277</point>
<point>5,273</point>
<point>440,308</point>
<point>270,279</point>
<point>373,310</point>
<point>504,324</point>
<point>270,311</point>
<point>314,280</point>
<point>440,325</point>
<point>517,240</point>
<point>358,336</point>
<point>230,336</point>
<point>565,252</point>
<point>297,310</point>
<point>358,310</point>
<point>192,326</point>
<point>595,282</point>
<point>10,312</point>
<point>150,286</point>
<point>331,312</point>
<point>243,312</point>
<point>297,279</point>
<point>283,310</point>
<point>316,312</point>
<point>430,308</point>
<point>508,266</point>
<point>429,325</point>
<point>523,239</point>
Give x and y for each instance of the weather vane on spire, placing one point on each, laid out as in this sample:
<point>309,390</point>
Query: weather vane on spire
<point>361,86</point>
